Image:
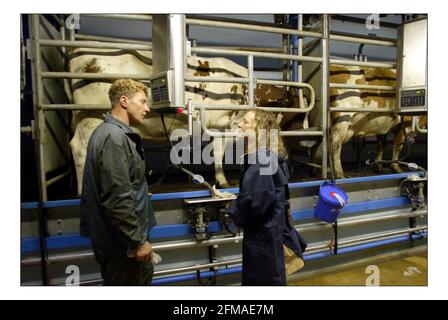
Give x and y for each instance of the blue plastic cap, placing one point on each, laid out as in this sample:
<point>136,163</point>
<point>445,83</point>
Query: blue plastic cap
<point>327,194</point>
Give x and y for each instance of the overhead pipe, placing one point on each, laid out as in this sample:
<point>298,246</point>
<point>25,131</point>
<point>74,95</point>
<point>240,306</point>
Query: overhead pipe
<point>362,86</point>
<point>240,26</point>
<point>135,17</point>
<point>358,110</point>
<point>92,44</point>
<point>72,107</point>
<point>81,36</point>
<point>347,62</point>
<point>256,54</point>
<point>86,75</point>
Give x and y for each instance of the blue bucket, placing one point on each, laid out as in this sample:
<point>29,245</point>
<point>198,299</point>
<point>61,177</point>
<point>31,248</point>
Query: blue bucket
<point>330,203</point>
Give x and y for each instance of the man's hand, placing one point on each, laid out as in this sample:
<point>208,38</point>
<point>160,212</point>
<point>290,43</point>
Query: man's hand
<point>144,252</point>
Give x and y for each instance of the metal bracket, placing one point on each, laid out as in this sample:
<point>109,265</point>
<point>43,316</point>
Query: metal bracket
<point>201,211</point>
<point>414,188</point>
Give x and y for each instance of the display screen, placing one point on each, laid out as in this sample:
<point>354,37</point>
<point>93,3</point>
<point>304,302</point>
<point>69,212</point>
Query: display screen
<point>413,98</point>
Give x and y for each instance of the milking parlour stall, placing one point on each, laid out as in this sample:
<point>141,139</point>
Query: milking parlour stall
<point>349,93</point>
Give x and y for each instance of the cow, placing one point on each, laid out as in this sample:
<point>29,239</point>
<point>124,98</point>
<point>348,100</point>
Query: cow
<point>140,62</point>
<point>346,125</point>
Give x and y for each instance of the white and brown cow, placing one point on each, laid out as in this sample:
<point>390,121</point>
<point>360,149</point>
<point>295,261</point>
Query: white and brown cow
<point>140,62</point>
<point>346,125</point>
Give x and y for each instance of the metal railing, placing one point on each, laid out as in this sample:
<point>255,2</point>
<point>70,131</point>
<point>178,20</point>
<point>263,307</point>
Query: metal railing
<point>310,227</point>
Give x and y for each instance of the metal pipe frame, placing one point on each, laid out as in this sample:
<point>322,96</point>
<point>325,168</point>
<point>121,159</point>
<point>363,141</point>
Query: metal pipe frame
<point>72,107</point>
<point>86,75</point>
<point>190,110</point>
<point>309,227</point>
<point>334,37</point>
<point>206,193</point>
<point>300,68</point>
<point>240,26</point>
<point>39,128</point>
<point>361,86</point>
<point>198,267</point>
<point>233,20</point>
<point>250,67</point>
<point>57,178</point>
<point>325,91</point>
<point>97,45</point>
<point>375,42</point>
<point>294,84</point>
<point>109,39</point>
<point>134,41</point>
<point>255,49</point>
<point>384,235</point>
<point>297,133</point>
<point>256,54</point>
<point>358,110</point>
<point>363,64</point>
<point>309,255</point>
<point>302,275</point>
<point>131,17</point>
<point>39,115</point>
<point>247,108</point>
<point>217,80</point>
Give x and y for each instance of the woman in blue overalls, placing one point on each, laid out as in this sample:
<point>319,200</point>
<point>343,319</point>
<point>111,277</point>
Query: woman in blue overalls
<point>261,206</point>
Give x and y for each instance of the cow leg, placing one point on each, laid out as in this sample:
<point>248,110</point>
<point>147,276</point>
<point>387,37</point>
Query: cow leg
<point>398,142</point>
<point>339,134</point>
<point>78,144</point>
<point>218,155</point>
<point>381,144</point>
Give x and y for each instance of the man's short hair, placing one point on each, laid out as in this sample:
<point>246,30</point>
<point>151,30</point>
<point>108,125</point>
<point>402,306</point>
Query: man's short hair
<point>125,87</point>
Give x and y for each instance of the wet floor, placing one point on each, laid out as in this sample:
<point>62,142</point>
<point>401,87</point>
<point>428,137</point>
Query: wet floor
<point>408,271</point>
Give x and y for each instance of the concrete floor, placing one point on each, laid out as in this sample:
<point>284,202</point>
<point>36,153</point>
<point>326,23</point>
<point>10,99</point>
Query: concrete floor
<point>408,271</point>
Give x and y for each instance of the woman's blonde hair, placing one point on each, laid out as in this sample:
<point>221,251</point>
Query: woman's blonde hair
<point>264,120</point>
<point>125,87</point>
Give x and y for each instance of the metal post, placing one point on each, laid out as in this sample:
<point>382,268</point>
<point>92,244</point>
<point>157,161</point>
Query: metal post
<point>38,112</point>
<point>300,69</point>
<point>39,117</point>
<point>190,118</point>
<point>285,62</point>
<point>63,32</point>
<point>250,67</point>
<point>324,93</point>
